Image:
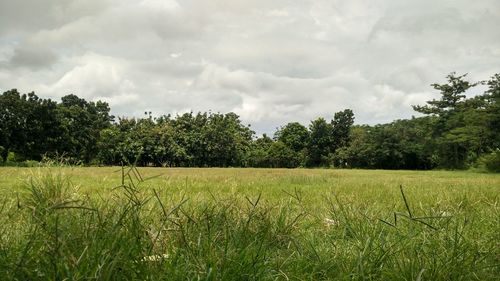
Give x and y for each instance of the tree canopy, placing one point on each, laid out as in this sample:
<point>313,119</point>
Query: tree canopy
<point>455,131</point>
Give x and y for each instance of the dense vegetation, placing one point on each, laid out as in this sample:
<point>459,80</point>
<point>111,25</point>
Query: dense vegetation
<point>455,132</point>
<point>247,224</point>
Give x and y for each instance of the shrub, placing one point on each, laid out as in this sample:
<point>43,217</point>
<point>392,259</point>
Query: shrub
<point>491,161</point>
<point>11,157</point>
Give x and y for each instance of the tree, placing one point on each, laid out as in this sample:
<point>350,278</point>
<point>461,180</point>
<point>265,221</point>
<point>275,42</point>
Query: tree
<point>258,154</point>
<point>341,127</point>
<point>492,98</point>
<point>320,141</point>
<point>416,143</point>
<point>108,146</point>
<point>454,139</point>
<point>294,135</point>
<point>280,155</point>
<point>28,125</point>
<point>452,95</point>
<point>81,124</point>
<point>227,140</point>
<point>455,132</point>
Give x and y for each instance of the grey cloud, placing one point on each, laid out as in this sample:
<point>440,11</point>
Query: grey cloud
<point>26,15</point>
<point>32,57</point>
<point>269,61</point>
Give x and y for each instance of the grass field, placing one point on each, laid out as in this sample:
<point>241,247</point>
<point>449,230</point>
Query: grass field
<point>248,224</point>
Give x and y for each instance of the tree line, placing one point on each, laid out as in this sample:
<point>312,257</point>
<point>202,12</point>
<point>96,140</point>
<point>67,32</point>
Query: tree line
<point>455,132</point>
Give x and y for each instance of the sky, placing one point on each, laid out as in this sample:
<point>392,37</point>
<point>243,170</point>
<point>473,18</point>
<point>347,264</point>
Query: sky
<point>270,62</point>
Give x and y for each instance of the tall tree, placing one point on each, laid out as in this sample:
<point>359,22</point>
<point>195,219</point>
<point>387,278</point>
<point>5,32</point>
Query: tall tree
<point>227,140</point>
<point>282,156</point>
<point>341,126</point>
<point>294,135</point>
<point>453,141</point>
<point>258,154</point>
<point>452,95</point>
<point>492,97</point>
<point>81,124</point>
<point>318,148</point>
<point>28,125</point>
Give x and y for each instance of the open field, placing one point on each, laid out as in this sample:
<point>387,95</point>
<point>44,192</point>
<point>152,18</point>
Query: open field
<point>248,224</point>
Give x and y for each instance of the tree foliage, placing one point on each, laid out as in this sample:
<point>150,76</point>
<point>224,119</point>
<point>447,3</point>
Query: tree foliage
<point>456,131</point>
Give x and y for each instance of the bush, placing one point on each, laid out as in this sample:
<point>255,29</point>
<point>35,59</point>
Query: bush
<point>14,160</point>
<point>491,162</point>
<point>14,157</point>
<point>32,163</point>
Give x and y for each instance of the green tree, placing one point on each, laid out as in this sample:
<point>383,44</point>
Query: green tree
<point>320,142</point>
<point>227,140</point>
<point>341,126</point>
<point>492,98</point>
<point>28,125</point>
<point>455,141</point>
<point>359,153</point>
<point>282,156</point>
<point>402,144</point>
<point>452,95</point>
<point>109,146</point>
<point>294,135</point>
<point>258,154</point>
<point>81,124</point>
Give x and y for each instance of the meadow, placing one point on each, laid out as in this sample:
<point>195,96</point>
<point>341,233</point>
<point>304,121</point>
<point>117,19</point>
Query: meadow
<point>109,223</point>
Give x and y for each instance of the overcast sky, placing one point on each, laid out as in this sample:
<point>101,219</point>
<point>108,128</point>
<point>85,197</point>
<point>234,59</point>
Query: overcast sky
<point>269,61</point>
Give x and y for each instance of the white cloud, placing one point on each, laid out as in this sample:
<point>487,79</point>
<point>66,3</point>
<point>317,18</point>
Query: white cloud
<point>93,76</point>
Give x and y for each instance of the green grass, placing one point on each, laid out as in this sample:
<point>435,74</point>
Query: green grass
<point>248,224</point>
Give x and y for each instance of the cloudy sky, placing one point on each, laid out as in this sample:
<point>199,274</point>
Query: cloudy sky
<point>271,62</point>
